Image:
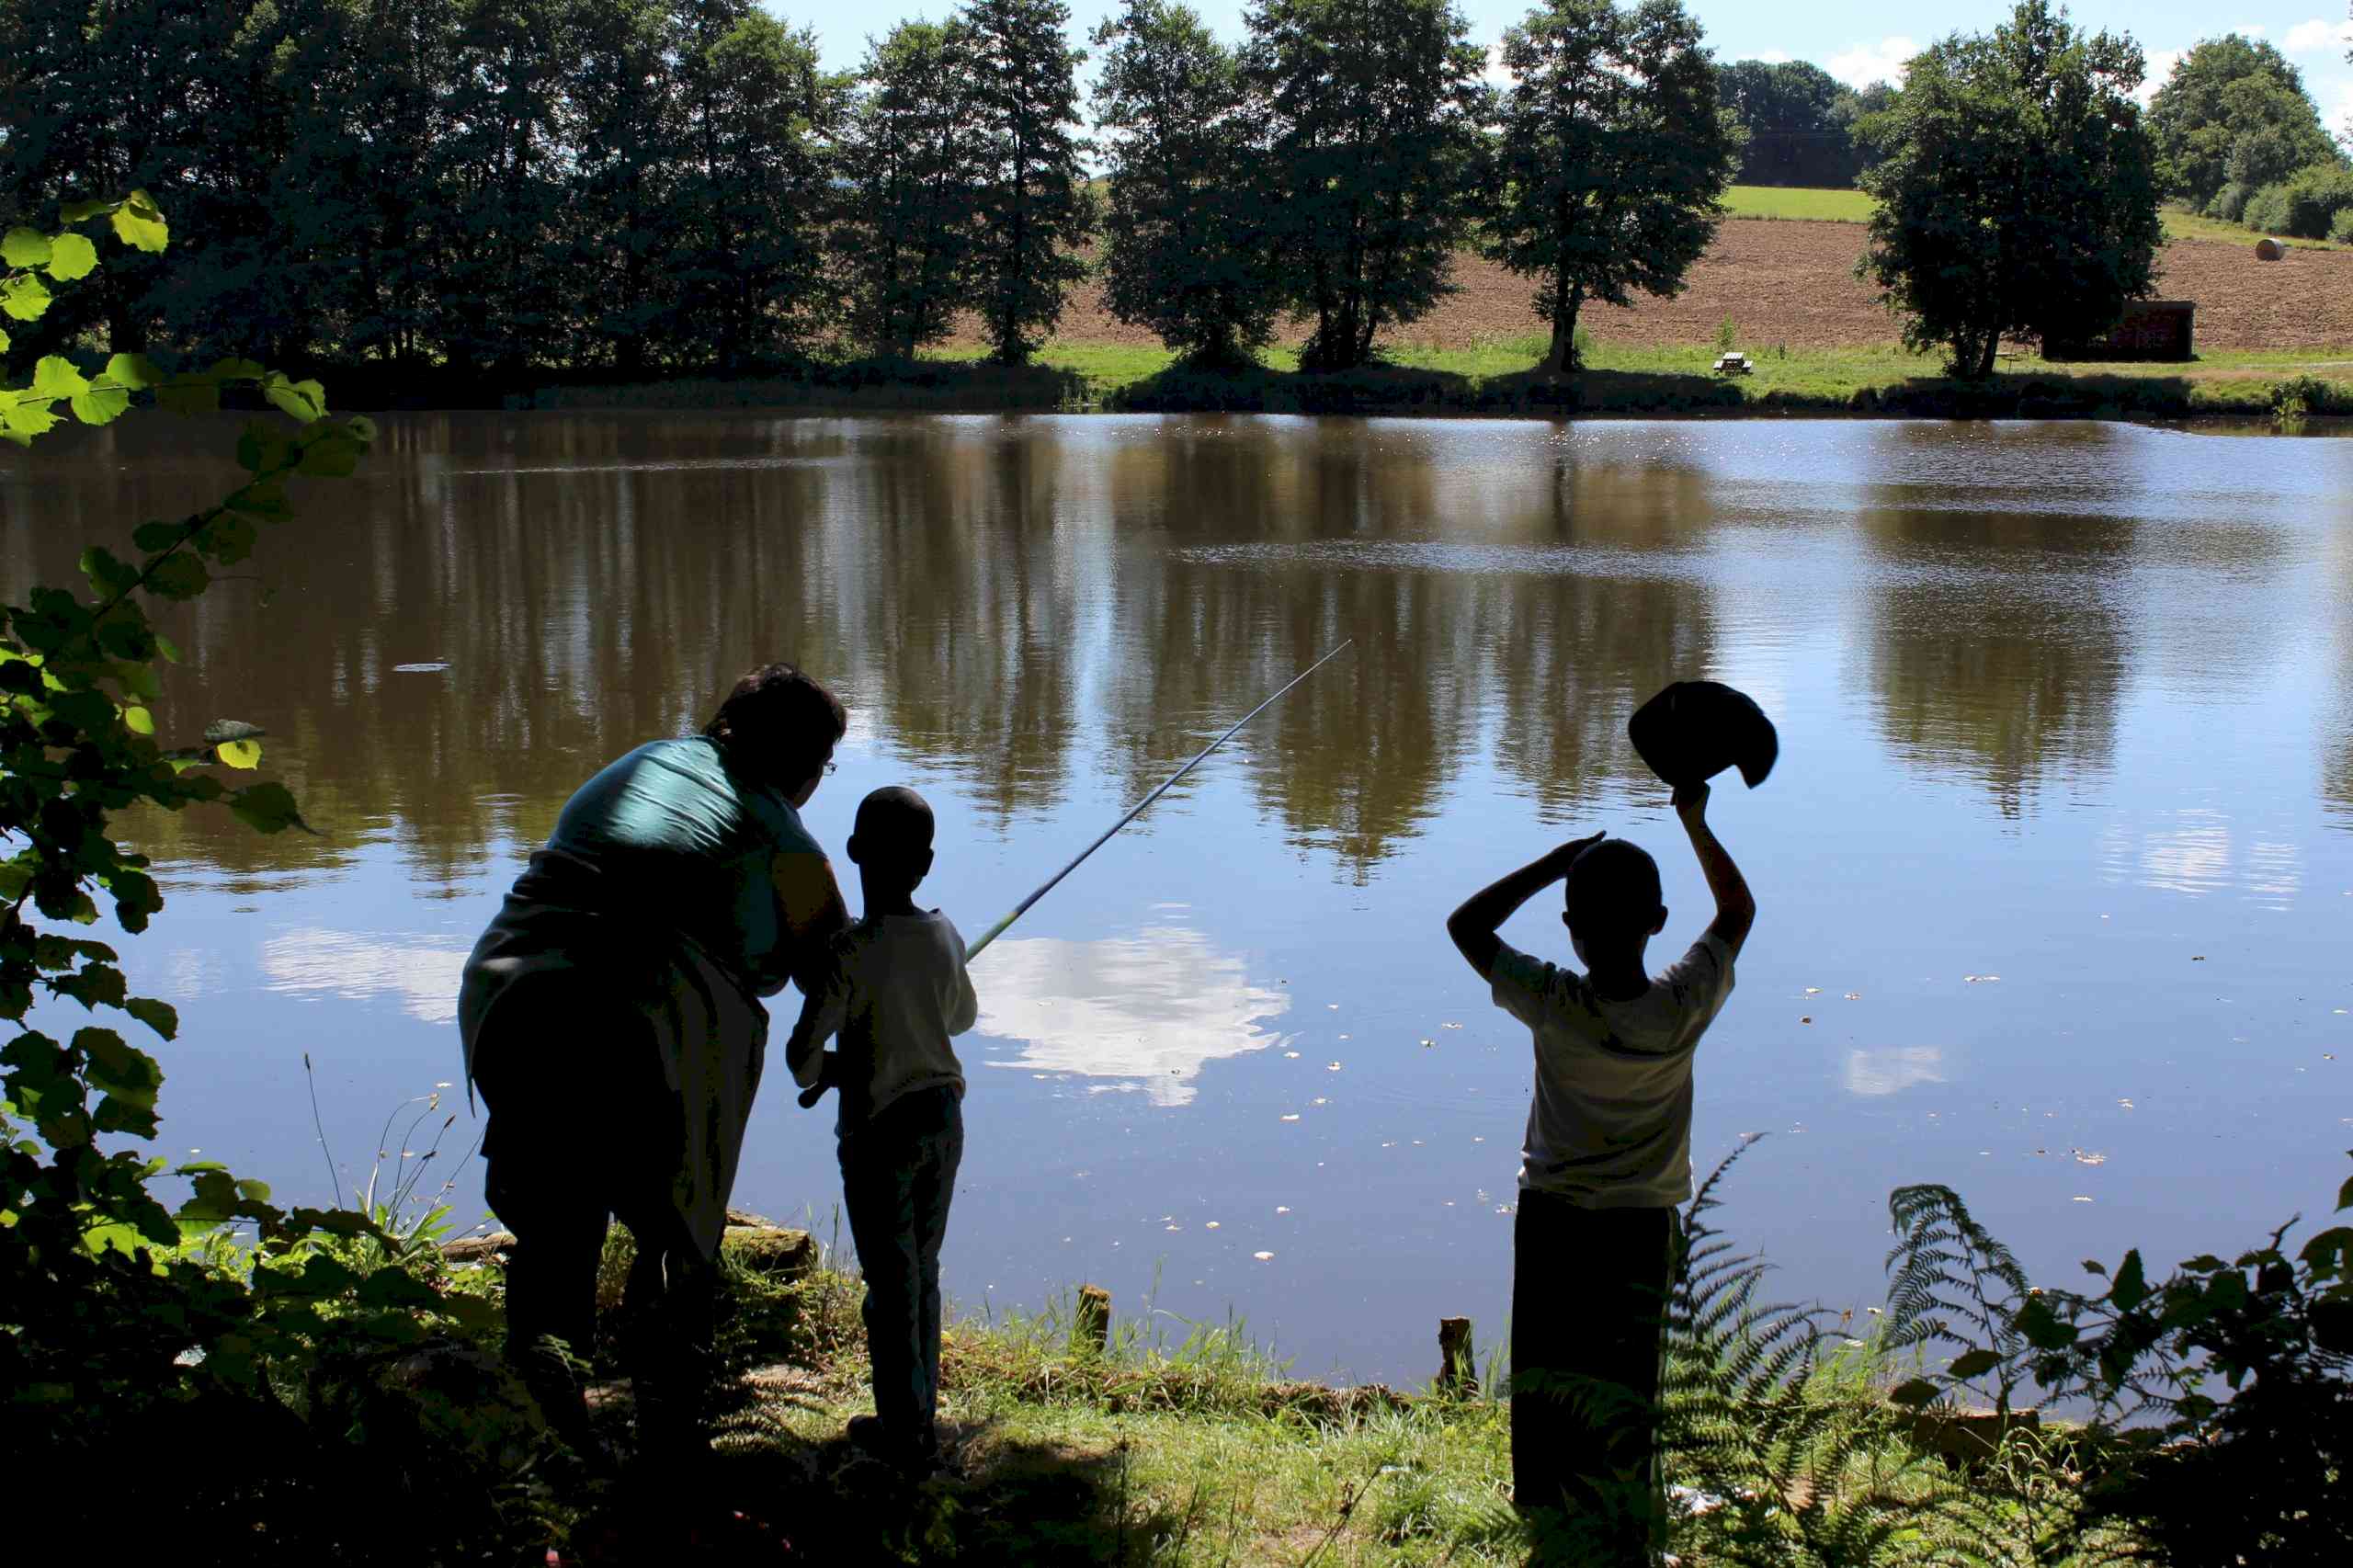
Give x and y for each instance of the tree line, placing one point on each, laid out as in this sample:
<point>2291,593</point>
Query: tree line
<point>2241,140</point>
<point>645,187</point>
<point>1802,125</point>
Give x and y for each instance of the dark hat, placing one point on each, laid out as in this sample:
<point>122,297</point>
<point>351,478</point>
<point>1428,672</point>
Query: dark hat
<point>1696,729</point>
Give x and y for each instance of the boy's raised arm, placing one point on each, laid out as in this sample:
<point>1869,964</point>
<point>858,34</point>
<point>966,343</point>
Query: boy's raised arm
<point>1735,905</point>
<point>1474,925</point>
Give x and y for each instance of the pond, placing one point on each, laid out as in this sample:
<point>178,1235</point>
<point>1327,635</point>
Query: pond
<point>2056,871</point>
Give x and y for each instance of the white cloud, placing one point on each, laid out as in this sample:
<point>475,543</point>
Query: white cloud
<point>423,974</point>
<point>1153,1007</point>
<point>2161,64</point>
<point>2319,37</point>
<point>1774,56</point>
<point>1497,75</point>
<point>1868,63</point>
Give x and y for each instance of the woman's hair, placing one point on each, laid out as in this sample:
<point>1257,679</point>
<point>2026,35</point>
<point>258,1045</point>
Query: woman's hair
<point>779,723</point>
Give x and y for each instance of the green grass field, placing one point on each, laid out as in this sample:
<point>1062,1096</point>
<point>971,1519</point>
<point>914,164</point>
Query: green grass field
<point>1792,201</point>
<point>1495,376</point>
<point>1854,207</point>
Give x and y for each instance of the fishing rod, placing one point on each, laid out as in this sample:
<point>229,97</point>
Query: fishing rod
<point>810,1097</point>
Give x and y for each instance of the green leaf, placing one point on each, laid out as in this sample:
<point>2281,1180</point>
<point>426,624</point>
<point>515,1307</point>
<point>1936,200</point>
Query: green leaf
<point>4,341</point>
<point>2042,1326</point>
<point>25,416</point>
<point>102,404</point>
<point>1919,1392</point>
<point>2132,1287</point>
<point>261,447</point>
<point>139,720</point>
<point>298,399</point>
<point>234,371</point>
<point>330,456</point>
<point>82,211</point>
<point>179,577</point>
<point>118,1068</point>
<point>24,297</point>
<point>1974,1363</point>
<point>53,377</point>
<point>267,807</point>
<point>161,1016</point>
<point>134,371</point>
<point>229,539</point>
<point>21,246</point>
<point>139,223</point>
<point>2328,1254</point>
<point>72,256</point>
<point>109,575</point>
<point>243,754</point>
<point>153,537</point>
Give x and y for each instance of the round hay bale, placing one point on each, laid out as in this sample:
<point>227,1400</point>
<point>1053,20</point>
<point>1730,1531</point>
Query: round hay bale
<point>2268,249</point>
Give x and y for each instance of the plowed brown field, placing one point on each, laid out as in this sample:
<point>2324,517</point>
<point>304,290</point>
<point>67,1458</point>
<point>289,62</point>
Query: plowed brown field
<point>1793,282</point>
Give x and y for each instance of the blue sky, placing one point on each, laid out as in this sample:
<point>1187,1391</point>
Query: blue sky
<point>1853,39</point>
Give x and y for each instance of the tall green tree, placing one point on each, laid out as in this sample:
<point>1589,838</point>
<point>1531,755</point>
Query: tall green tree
<point>910,159</point>
<point>1790,111</point>
<point>503,171</point>
<point>1377,110</point>
<point>2228,91</point>
<point>360,184</point>
<point>622,89</point>
<point>1614,156</point>
<point>2018,197</point>
<point>757,118</point>
<point>1035,208</point>
<point>1186,253</point>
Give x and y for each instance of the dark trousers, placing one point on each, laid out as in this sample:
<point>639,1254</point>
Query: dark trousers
<point>1589,1297</point>
<point>578,1138</point>
<point>898,1176</point>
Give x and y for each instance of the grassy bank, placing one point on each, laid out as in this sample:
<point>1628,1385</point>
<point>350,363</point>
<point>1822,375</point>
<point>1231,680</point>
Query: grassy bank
<point>1170,1444</point>
<point>1854,207</point>
<point>1493,377</point>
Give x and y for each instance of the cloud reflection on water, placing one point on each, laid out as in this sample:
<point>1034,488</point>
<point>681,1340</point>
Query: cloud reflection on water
<point>1153,1008</point>
<point>424,975</point>
<point>1889,1069</point>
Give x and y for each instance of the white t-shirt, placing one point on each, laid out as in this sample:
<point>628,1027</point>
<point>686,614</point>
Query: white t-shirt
<point>1610,1127</point>
<point>897,995</point>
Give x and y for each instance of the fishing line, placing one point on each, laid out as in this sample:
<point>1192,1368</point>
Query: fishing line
<point>810,1097</point>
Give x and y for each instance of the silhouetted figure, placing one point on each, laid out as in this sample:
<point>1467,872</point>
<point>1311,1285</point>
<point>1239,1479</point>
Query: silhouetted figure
<point>613,1023</point>
<point>1596,1245</point>
<point>897,993</point>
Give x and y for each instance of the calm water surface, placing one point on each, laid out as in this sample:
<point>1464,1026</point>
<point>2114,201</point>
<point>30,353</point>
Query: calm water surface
<point>2056,874</point>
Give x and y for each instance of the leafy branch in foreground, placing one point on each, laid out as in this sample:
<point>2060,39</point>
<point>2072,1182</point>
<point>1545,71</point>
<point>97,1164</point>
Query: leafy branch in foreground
<point>2219,1411</point>
<point>127,1326</point>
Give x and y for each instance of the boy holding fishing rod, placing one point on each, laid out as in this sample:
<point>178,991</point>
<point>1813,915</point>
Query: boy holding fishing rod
<point>897,994</point>
<point>1596,1244</point>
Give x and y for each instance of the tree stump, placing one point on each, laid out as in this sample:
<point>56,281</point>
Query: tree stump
<point>1457,1362</point>
<point>1094,1318</point>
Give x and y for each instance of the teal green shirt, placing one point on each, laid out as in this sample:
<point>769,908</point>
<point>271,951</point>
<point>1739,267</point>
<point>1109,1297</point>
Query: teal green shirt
<point>695,841</point>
